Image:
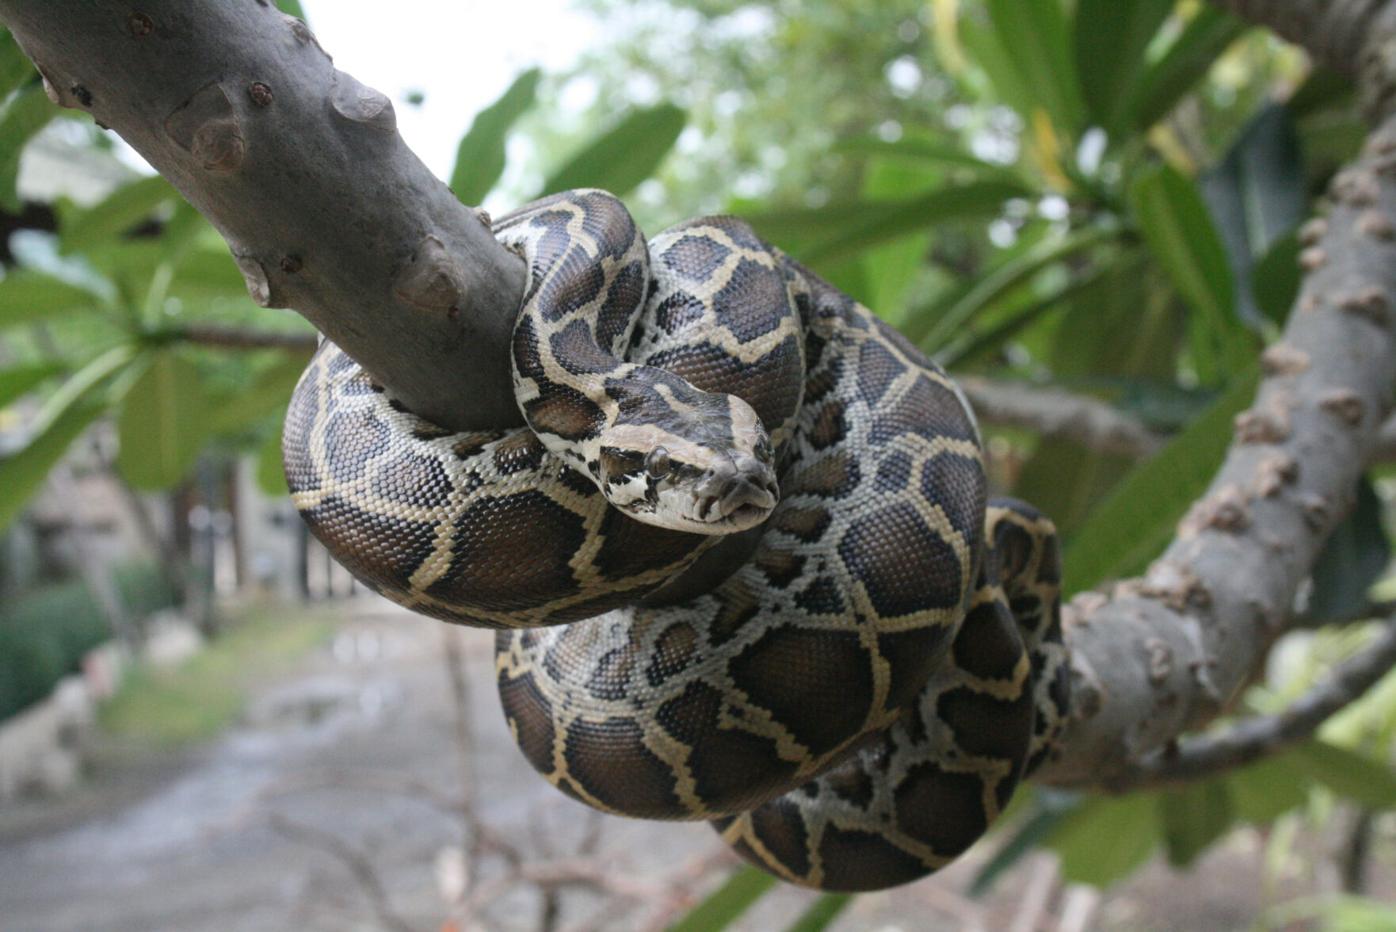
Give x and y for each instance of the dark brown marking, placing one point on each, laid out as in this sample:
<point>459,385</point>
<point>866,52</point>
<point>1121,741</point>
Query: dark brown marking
<point>855,861</point>
<point>817,683</point>
<point>610,761</point>
<point>905,566</point>
<point>941,808</point>
<point>490,536</point>
<point>732,769</point>
<point>531,715</point>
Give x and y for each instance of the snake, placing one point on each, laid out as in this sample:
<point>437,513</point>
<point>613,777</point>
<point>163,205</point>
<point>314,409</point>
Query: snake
<point>740,559</point>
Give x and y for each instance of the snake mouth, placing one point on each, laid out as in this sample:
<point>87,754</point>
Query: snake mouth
<point>744,503</point>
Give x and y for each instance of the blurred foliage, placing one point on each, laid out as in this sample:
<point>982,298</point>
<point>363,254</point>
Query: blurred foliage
<point>1099,195</point>
<point>196,699</point>
<point>45,632</point>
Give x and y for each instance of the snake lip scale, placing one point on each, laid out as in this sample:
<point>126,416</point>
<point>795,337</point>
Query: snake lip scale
<point>741,560</point>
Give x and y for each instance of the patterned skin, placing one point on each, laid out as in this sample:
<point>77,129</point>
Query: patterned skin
<point>855,695</point>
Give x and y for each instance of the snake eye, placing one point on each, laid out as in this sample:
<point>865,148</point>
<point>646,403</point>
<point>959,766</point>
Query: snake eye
<point>657,463</point>
<point>763,450</point>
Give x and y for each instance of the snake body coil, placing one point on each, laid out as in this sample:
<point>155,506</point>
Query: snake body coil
<point>741,558</point>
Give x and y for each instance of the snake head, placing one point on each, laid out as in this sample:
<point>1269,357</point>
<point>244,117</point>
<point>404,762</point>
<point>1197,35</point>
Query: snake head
<point>707,470</point>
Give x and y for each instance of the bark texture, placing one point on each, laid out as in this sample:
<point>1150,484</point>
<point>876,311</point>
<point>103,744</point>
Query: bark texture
<point>302,170</point>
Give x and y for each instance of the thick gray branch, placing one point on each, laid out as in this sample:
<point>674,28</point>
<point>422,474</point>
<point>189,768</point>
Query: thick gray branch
<point>1164,654</point>
<point>302,170</point>
<point>1251,739</point>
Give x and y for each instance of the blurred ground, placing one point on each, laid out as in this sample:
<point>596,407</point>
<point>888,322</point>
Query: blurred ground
<point>334,803</point>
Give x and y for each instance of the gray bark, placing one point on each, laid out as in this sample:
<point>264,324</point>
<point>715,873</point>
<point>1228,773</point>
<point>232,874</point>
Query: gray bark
<point>302,170</point>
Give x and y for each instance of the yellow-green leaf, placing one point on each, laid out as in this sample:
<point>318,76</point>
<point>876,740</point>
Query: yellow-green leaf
<point>271,473</point>
<point>163,424</point>
<point>727,903</point>
<point>1106,838</point>
<point>121,210</point>
<point>1348,773</point>
<point>1194,816</point>
<point>627,155</point>
<point>480,156</point>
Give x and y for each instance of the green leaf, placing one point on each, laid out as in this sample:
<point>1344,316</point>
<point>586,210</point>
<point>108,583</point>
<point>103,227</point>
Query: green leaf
<point>293,7</point>
<point>1037,36</point>
<point>932,152</point>
<point>18,381</point>
<point>836,232</point>
<point>1355,556</point>
<point>26,113</point>
<point>622,158</point>
<point>1256,196</point>
<point>1264,791</point>
<point>61,420</point>
<point>1275,278</point>
<point>15,68</point>
<point>1348,773</point>
<point>1206,36</point>
<point>207,273</point>
<point>1179,232</point>
<point>123,209</point>
<point>22,474</point>
<point>163,423</point>
<point>271,473</point>
<point>1107,838</point>
<point>480,156</point>
<point>1182,238</point>
<point>725,904</point>
<point>27,295</point>
<point>937,325</point>
<point>1324,88</point>
<point>989,333</point>
<point>1112,37</point>
<point>1193,817</point>
<point>1133,524</point>
<point>1123,327</point>
<point>267,394</point>
<point>821,913</point>
<point>994,60</point>
<point>889,270</point>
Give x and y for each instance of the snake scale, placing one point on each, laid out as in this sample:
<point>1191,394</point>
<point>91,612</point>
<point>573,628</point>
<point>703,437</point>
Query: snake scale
<point>741,560</point>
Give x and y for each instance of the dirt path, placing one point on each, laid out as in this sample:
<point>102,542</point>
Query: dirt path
<point>251,831</point>
<point>341,778</point>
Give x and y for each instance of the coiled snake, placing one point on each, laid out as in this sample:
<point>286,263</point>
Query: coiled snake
<point>740,559</point>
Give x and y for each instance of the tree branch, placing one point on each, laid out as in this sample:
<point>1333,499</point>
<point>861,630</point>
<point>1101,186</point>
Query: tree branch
<point>1054,412</point>
<point>237,338</point>
<point>1254,738</point>
<point>1164,654</point>
<point>302,170</point>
